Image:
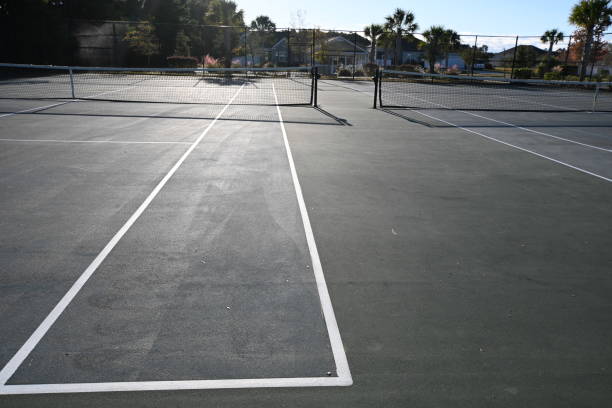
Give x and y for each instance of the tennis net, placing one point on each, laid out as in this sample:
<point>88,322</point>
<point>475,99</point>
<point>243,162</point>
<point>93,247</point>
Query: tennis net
<point>250,86</point>
<point>398,89</point>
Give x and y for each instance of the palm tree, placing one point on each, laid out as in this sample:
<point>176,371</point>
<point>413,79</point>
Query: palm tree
<point>373,31</point>
<point>452,41</point>
<point>551,37</point>
<point>225,13</point>
<point>592,16</point>
<point>386,40</point>
<point>435,45</point>
<point>400,22</point>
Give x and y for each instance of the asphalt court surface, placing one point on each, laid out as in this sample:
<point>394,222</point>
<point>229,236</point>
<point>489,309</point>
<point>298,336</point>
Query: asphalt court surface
<point>466,257</point>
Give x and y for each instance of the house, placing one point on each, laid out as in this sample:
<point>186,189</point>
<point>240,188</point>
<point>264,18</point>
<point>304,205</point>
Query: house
<point>506,57</point>
<point>339,52</point>
<point>454,60</point>
<point>411,53</point>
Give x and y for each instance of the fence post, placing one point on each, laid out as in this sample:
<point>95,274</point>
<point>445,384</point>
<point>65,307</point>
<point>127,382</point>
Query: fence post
<point>312,54</point>
<point>71,82</point>
<point>246,54</point>
<point>114,56</point>
<point>289,47</point>
<point>514,57</point>
<point>354,52</point>
<point>473,56</point>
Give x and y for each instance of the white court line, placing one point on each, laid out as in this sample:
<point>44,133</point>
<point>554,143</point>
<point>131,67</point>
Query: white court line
<point>506,143</point>
<point>14,363</point>
<point>342,367</point>
<point>536,131</point>
<point>516,147</point>
<point>343,374</point>
<point>35,109</point>
<point>89,141</point>
<point>172,385</point>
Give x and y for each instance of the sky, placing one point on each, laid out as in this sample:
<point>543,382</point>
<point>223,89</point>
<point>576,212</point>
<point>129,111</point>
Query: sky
<point>516,17</point>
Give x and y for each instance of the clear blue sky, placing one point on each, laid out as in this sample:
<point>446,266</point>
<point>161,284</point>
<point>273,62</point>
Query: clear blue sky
<point>511,17</point>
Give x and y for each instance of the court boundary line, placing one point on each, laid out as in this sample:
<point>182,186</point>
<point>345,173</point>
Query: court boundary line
<point>537,132</point>
<point>516,147</point>
<point>343,377</point>
<point>338,351</point>
<point>91,141</point>
<point>34,110</point>
<point>29,389</point>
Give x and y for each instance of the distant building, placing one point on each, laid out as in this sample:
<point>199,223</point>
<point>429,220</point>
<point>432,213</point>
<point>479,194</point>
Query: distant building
<point>505,58</point>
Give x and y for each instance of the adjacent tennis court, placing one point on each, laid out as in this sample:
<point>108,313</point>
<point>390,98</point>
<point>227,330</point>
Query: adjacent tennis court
<point>244,237</point>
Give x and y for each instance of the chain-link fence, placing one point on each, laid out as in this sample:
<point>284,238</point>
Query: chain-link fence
<point>337,53</point>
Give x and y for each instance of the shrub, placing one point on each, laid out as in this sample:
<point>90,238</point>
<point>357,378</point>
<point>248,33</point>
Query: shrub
<point>553,76</point>
<point>604,73</point>
<point>370,69</point>
<point>542,69</point>
<point>359,73</point>
<point>344,72</point>
<point>210,62</point>
<point>523,73</point>
<point>572,78</point>
<point>454,70</point>
<point>182,62</point>
<point>406,68</point>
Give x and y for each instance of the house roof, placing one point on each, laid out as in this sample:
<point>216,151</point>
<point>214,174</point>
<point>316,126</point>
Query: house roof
<point>510,52</point>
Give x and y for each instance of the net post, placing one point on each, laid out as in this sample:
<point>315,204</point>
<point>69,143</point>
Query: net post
<point>514,57</point>
<point>595,97</point>
<point>314,87</point>
<point>71,82</point>
<point>376,90</point>
<point>380,75</point>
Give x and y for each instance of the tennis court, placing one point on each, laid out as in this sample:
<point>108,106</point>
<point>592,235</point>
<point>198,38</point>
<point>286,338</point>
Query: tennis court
<point>201,238</point>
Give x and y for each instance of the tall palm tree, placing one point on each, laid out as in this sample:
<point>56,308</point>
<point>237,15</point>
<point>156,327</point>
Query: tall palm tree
<point>400,22</point>
<point>373,31</point>
<point>452,41</point>
<point>592,16</point>
<point>386,40</point>
<point>551,37</point>
<point>435,45</point>
<point>225,13</point>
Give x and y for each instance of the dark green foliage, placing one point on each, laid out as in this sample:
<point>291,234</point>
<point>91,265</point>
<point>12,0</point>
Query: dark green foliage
<point>182,62</point>
<point>344,73</point>
<point>523,73</point>
<point>370,69</point>
<point>553,76</point>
